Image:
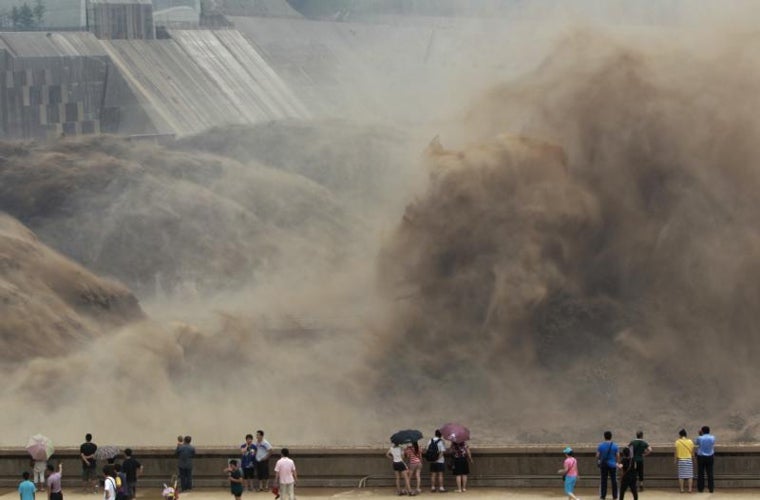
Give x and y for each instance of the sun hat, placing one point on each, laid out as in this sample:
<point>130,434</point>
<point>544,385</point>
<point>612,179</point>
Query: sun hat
<point>567,450</point>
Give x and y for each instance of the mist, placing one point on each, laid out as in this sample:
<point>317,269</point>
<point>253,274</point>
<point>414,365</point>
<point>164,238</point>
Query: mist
<point>575,251</point>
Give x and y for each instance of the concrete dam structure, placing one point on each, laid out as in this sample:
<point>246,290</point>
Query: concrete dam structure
<point>70,83</point>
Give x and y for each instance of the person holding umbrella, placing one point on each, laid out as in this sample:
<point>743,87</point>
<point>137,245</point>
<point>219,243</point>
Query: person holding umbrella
<point>462,460</point>
<point>399,468</point>
<point>396,454</point>
<point>459,435</point>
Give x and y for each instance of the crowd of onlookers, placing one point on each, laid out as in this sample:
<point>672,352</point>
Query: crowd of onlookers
<point>629,463</point>
<point>252,470</point>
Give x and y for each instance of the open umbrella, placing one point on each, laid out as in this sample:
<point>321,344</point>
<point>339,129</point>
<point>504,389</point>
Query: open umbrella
<point>40,447</point>
<point>457,433</point>
<point>106,452</point>
<point>406,436</point>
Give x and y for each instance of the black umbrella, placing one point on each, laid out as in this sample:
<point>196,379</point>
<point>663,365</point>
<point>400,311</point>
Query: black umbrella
<point>406,436</point>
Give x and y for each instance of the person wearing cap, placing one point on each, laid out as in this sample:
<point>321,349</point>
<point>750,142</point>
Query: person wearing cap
<point>569,472</point>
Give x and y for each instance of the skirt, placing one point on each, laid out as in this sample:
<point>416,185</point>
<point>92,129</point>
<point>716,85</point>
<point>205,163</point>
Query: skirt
<point>685,468</point>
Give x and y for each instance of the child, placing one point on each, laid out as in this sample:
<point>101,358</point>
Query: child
<point>628,475</point>
<point>399,467</point>
<point>569,472</point>
<point>236,479</point>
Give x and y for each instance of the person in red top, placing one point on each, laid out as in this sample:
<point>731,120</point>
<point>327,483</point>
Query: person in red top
<point>414,457</point>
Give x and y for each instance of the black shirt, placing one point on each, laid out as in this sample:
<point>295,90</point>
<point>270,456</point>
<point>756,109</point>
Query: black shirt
<point>130,467</point>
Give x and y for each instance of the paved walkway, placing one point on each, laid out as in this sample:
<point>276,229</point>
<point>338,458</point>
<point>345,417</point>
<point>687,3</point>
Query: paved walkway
<point>388,494</point>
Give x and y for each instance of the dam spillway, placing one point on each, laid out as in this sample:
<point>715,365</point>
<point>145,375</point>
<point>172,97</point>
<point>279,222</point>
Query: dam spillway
<point>62,83</point>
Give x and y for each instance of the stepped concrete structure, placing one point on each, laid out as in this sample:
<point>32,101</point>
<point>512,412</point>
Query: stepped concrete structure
<point>73,83</point>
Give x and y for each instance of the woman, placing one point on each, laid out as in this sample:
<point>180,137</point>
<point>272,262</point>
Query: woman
<point>414,456</point>
<point>569,472</point>
<point>400,469</point>
<point>462,460</point>
<point>684,454</point>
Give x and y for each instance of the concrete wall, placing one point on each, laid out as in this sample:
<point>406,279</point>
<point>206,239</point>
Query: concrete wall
<point>524,466</point>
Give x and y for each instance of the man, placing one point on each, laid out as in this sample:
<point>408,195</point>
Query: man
<point>132,469</point>
<point>248,461</point>
<point>438,466</point>
<point>263,450</point>
<point>55,492</point>
<point>109,483</point>
<point>608,457</point>
<point>285,475</point>
<point>87,455</point>
<point>185,453</point>
<point>640,449</point>
<point>235,478</point>
<point>705,444</point>
<point>26,488</point>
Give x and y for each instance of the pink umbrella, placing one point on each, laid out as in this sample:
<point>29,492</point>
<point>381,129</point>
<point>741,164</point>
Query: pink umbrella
<point>457,433</point>
<point>40,447</point>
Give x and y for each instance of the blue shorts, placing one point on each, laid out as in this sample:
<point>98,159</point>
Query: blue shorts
<point>570,484</point>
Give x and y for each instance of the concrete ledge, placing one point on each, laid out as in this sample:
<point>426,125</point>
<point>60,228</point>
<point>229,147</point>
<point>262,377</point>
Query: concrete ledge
<point>736,466</point>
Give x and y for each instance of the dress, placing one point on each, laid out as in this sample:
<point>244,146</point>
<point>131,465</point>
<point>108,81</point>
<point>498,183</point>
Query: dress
<point>684,452</point>
<point>459,453</point>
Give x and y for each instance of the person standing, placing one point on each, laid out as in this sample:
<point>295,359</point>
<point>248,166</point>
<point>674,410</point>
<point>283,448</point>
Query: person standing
<point>132,469</point>
<point>235,477</point>
<point>400,470</point>
<point>607,457</point>
<point>285,474</point>
<point>87,454</point>
<point>55,491</point>
<point>40,466</point>
<point>569,473</point>
<point>462,460</point>
<point>248,461</point>
<point>438,466</point>
<point>640,449</point>
<point>263,451</point>
<point>26,488</point>
<point>628,474</point>
<point>684,454</point>
<point>414,459</point>
<point>185,453</point>
<point>705,444</point>
<point>109,483</point>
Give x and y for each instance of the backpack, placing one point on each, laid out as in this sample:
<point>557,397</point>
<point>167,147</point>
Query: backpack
<point>120,486</point>
<point>432,452</point>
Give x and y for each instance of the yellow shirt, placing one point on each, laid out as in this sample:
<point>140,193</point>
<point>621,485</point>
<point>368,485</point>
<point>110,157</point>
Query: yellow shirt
<point>684,448</point>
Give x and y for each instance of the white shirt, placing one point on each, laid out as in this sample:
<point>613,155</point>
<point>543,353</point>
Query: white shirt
<point>395,452</point>
<point>262,449</point>
<point>109,489</point>
<point>441,449</point>
<point>285,467</point>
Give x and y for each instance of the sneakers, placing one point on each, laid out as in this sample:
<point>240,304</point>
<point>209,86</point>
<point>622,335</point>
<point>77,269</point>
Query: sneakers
<point>442,489</point>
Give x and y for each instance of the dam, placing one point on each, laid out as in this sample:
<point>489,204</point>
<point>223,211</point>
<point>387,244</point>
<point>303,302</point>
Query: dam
<point>544,238</point>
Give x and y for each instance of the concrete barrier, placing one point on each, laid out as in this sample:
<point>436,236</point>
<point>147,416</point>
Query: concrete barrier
<point>736,466</point>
